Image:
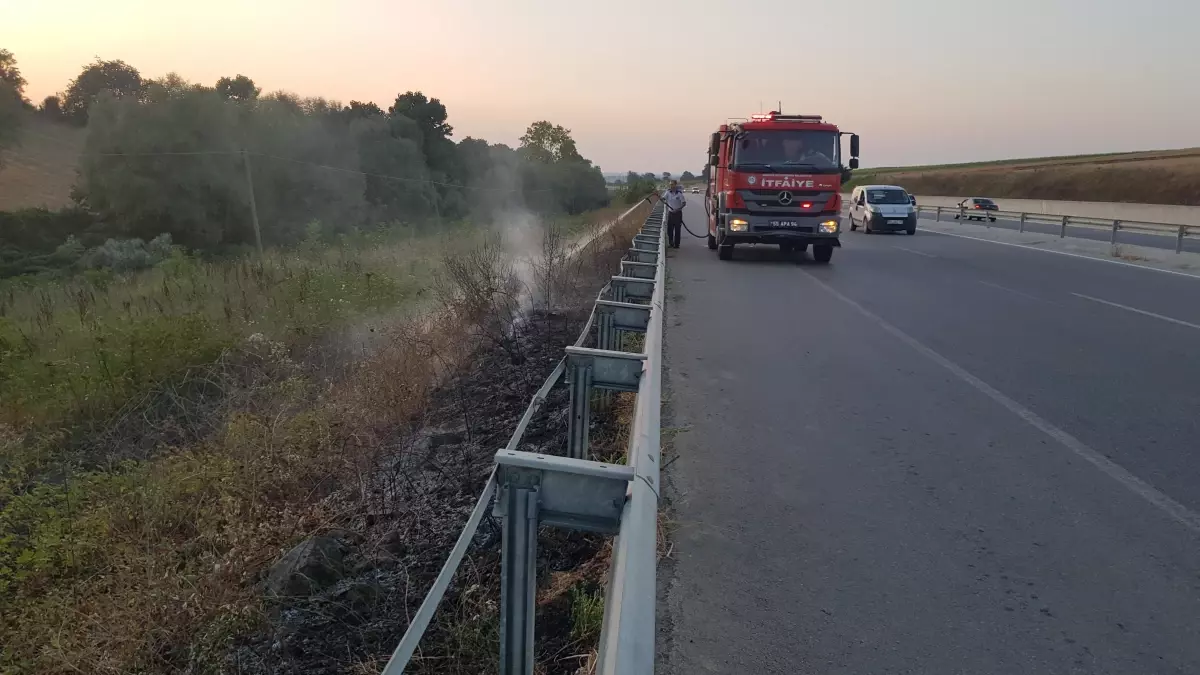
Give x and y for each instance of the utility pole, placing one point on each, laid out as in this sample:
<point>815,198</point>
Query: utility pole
<point>253,205</point>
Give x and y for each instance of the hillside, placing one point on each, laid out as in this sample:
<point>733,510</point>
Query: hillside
<point>1153,177</point>
<point>40,170</point>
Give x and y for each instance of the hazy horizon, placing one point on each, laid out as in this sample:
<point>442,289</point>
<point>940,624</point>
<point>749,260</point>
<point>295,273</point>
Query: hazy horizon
<point>641,88</point>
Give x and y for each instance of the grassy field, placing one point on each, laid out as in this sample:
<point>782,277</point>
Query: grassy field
<point>161,434</point>
<point>1152,177</point>
<point>40,170</point>
<point>166,435</point>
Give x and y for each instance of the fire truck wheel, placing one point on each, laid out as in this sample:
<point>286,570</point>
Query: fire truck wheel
<point>823,253</point>
<point>725,252</point>
<point>712,243</point>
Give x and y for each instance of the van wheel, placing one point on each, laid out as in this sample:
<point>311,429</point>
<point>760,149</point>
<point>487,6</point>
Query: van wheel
<point>823,253</point>
<point>712,243</point>
<point>853,225</point>
<point>912,230</point>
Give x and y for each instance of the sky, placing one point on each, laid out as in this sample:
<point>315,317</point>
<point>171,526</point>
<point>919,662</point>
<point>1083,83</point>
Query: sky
<point>642,84</point>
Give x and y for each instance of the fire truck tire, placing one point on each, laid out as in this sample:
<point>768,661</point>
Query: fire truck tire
<point>725,252</point>
<point>712,243</point>
<point>823,253</point>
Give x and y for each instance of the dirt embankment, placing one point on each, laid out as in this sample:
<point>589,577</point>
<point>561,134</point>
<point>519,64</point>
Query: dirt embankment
<point>40,170</point>
<point>1166,177</point>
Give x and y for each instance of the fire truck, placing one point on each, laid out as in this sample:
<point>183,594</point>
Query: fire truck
<point>777,179</point>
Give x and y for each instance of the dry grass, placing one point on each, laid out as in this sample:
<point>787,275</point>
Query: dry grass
<point>40,170</point>
<point>1157,177</point>
<point>149,562</point>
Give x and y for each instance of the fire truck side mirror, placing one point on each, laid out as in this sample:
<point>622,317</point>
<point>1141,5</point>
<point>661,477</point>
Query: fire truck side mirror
<point>853,163</point>
<point>853,145</point>
<point>714,148</point>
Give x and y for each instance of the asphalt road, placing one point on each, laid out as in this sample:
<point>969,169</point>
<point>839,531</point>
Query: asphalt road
<point>1132,237</point>
<point>934,455</point>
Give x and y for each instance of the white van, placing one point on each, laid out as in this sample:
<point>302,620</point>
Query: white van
<point>882,208</point>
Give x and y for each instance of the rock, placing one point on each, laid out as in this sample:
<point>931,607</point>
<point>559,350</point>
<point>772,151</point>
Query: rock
<point>347,537</point>
<point>356,599</point>
<point>393,542</point>
<point>314,564</point>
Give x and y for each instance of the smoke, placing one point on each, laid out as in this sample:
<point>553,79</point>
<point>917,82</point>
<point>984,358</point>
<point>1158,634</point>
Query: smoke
<point>522,234</point>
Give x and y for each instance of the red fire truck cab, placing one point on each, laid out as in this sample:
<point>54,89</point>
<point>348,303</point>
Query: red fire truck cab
<point>777,179</point>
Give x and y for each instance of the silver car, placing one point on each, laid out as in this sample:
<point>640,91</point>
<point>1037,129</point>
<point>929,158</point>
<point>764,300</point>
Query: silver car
<point>882,208</point>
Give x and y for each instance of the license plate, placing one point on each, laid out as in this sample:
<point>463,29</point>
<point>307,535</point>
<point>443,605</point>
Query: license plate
<point>783,223</point>
<point>895,222</point>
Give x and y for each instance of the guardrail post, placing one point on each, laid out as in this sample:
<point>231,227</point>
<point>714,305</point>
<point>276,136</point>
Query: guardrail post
<point>579,379</point>
<point>1116,226</point>
<point>518,506</point>
<point>1063,232</point>
<point>1022,229</point>
<point>939,214</point>
<point>1179,238</point>
<point>607,337</point>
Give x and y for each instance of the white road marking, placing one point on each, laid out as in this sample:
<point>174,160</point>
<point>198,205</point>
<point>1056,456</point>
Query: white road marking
<point>915,252</point>
<point>1073,255</point>
<point>1172,508</point>
<point>1011,290</point>
<point>1139,311</point>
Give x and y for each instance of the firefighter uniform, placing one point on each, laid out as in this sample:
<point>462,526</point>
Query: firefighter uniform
<point>675,202</point>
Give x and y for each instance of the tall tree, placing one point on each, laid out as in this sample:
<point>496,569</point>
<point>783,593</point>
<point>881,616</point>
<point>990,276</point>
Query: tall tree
<point>429,114</point>
<point>360,110</point>
<point>10,74</point>
<point>239,88</point>
<point>666,175</point>
<point>546,142</point>
<point>51,107</point>
<point>116,77</point>
<point>687,175</point>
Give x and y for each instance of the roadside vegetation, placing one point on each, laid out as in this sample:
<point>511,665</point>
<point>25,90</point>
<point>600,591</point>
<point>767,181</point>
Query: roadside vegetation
<point>216,459</point>
<point>1155,177</point>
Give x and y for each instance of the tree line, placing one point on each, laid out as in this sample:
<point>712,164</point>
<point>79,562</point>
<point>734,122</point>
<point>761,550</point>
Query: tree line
<point>169,156</point>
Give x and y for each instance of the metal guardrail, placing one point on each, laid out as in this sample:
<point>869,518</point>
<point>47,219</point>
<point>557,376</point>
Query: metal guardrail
<point>1179,232</point>
<point>573,492</point>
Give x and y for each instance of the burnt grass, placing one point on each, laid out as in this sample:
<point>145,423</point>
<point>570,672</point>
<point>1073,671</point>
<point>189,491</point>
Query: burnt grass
<point>401,522</point>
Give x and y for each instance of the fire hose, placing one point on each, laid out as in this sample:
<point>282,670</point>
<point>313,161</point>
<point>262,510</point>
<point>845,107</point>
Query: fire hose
<point>689,230</point>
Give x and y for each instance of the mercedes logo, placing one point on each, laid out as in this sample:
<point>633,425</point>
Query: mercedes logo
<point>785,198</point>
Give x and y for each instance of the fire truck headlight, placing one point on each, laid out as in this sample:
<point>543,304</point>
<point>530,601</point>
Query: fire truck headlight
<point>829,227</point>
<point>737,225</point>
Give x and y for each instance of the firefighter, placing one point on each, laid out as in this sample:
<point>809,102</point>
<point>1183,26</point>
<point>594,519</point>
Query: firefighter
<point>675,202</point>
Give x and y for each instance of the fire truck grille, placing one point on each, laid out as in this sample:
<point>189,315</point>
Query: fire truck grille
<point>770,201</point>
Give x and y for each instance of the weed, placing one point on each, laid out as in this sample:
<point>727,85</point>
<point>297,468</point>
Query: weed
<point>587,613</point>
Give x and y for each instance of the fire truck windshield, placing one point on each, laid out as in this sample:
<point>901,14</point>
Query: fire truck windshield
<point>787,151</point>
